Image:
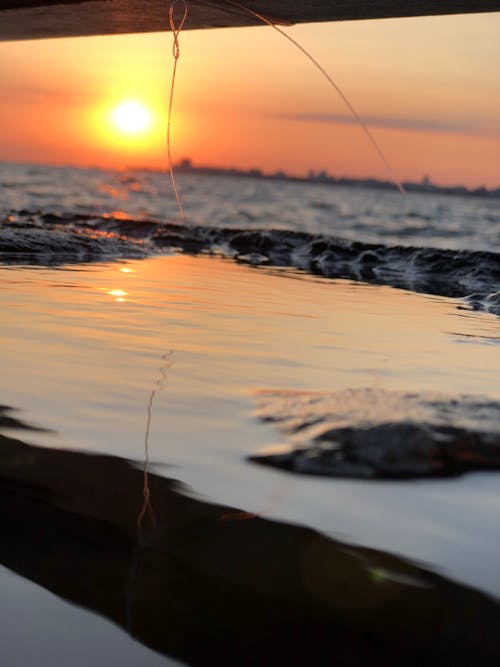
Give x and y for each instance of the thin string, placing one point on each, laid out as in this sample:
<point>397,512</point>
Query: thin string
<point>146,492</point>
<point>321,69</point>
<point>147,507</point>
<point>273,503</point>
<point>176,53</point>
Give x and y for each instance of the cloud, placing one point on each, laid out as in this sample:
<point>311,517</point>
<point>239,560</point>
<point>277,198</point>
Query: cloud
<point>387,122</point>
<point>33,95</point>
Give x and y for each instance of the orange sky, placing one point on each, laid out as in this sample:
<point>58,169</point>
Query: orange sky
<point>428,87</point>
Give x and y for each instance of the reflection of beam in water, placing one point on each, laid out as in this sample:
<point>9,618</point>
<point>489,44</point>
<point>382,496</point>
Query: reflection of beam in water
<point>227,593</point>
<point>146,492</point>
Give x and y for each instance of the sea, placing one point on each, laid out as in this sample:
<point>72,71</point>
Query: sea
<point>316,366</point>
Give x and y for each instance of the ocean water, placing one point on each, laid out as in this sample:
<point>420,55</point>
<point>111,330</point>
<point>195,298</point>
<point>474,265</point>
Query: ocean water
<point>440,244</point>
<point>360,214</point>
<point>274,312</point>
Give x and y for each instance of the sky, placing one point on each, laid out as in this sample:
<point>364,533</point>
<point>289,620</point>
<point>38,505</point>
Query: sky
<point>428,88</point>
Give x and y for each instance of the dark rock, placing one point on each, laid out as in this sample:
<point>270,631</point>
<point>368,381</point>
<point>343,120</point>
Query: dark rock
<point>377,434</point>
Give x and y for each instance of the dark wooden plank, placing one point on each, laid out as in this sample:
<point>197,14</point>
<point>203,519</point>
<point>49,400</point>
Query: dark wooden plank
<point>36,19</point>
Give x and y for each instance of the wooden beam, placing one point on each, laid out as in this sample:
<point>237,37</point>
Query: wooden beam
<point>39,19</point>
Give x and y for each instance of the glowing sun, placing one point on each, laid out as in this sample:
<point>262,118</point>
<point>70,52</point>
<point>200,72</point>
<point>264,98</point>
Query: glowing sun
<point>131,117</point>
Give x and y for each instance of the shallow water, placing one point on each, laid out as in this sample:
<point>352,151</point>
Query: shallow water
<point>86,347</point>
<point>83,350</point>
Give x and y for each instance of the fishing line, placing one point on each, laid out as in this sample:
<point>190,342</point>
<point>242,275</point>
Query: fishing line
<point>146,492</point>
<point>138,555</point>
<point>176,53</point>
<point>273,503</point>
<point>332,83</point>
<point>147,507</point>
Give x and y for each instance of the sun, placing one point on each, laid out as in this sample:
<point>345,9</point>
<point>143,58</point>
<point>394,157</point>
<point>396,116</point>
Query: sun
<point>131,117</point>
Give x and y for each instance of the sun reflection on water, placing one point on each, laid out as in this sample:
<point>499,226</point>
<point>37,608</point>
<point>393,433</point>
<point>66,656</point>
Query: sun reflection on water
<point>119,294</point>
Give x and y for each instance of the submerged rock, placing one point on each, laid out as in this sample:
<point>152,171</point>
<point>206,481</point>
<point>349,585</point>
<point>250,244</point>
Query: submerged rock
<point>368,433</point>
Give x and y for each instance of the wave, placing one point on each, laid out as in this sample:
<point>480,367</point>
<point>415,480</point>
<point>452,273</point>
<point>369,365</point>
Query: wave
<point>489,302</point>
<point>57,239</point>
<point>49,240</point>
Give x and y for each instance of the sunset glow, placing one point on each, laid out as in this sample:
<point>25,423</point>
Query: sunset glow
<point>103,100</point>
<point>131,117</point>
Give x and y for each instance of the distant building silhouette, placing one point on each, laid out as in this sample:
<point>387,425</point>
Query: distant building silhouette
<point>186,166</point>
